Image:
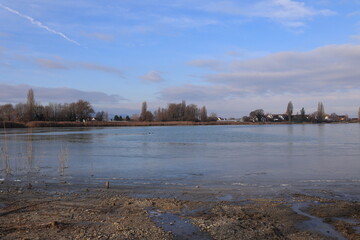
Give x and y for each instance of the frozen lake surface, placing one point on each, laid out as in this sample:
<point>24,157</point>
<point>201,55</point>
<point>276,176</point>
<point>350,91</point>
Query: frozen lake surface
<point>263,159</point>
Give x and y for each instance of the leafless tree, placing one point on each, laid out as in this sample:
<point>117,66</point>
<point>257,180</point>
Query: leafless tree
<point>20,112</point>
<point>203,114</point>
<point>302,114</point>
<point>30,106</point>
<point>334,117</point>
<point>134,117</point>
<point>320,115</point>
<point>213,117</point>
<point>143,111</point>
<point>289,110</point>
<point>83,110</point>
<point>100,116</point>
<point>7,112</point>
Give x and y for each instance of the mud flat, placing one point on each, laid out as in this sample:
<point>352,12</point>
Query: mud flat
<point>64,211</point>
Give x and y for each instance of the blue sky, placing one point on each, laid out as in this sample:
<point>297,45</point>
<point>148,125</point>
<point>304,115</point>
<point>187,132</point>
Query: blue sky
<point>232,56</point>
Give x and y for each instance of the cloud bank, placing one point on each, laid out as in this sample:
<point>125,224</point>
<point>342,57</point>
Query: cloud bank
<point>329,72</point>
<point>17,93</point>
<point>59,64</point>
<point>153,76</point>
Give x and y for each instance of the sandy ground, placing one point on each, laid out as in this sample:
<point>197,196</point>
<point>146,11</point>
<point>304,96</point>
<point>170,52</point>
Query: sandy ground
<point>35,212</point>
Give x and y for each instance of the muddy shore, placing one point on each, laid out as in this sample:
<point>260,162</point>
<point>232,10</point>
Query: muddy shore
<point>61,211</point>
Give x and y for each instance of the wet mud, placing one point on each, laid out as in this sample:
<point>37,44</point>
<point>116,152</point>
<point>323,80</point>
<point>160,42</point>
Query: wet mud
<point>56,212</point>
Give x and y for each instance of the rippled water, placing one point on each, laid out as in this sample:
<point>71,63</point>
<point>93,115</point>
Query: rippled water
<point>233,157</point>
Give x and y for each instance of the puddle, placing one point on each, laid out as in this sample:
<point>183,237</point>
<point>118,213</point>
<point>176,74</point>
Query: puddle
<point>227,197</point>
<point>3,205</point>
<point>181,228</point>
<point>315,224</point>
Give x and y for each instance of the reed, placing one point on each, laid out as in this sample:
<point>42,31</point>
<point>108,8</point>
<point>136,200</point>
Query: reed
<point>6,153</point>
<point>29,151</point>
<point>63,160</point>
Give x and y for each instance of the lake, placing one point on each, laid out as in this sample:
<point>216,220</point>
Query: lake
<point>267,159</point>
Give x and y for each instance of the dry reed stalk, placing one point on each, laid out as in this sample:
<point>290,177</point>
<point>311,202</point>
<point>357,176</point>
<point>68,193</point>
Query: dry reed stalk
<point>63,160</point>
<point>29,150</point>
<point>7,156</point>
<point>1,158</point>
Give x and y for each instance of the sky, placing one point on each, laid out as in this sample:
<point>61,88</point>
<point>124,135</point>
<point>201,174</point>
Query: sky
<point>231,56</point>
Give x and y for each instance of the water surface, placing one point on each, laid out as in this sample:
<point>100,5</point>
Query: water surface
<point>268,158</point>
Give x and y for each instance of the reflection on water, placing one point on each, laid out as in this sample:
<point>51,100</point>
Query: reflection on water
<point>226,156</point>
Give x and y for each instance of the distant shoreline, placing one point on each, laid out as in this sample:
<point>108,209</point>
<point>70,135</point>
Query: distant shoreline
<point>38,124</point>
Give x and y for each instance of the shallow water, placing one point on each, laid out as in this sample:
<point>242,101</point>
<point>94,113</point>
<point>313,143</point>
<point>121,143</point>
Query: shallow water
<point>314,223</point>
<point>267,159</point>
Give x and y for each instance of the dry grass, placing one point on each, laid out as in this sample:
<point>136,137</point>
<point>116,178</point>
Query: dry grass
<point>13,124</point>
<point>5,153</point>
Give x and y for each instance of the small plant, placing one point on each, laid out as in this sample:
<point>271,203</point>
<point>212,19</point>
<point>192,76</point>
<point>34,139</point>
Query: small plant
<point>6,154</point>
<point>63,160</point>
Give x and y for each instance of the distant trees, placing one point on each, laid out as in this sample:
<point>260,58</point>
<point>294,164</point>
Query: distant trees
<point>203,114</point>
<point>83,110</point>
<point>7,112</point>
<point>359,115</point>
<point>257,115</point>
<point>289,110</point>
<point>145,114</point>
<point>320,114</point>
<point>30,106</point>
<point>302,115</point>
<point>118,118</point>
<point>101,116</point>
<point>181,112</point>
<point>32,111</point>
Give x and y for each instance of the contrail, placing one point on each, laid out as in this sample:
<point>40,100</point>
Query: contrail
<point>39,24</point>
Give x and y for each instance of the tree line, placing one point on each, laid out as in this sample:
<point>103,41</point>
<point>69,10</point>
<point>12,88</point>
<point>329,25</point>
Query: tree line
<point>83,111</point>
<point>318,116</point>
<point>33,111</point>
<point>176,112</point>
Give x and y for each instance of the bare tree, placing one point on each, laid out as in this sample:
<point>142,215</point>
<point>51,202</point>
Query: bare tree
<point>83,110</point>
<point>143,111</point>
<point>320,115</point>
<point>30,106</point>
<point>20,112</point>
<point>7,112</point>
<point>302,114</point>
<point>213,117</point>
<point>134,117</point>
<point>289,110</point>
<point>203,114</point>
<point>100,116</point>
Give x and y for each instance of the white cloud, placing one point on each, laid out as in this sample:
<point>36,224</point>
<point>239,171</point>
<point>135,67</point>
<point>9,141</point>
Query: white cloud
<point>58,63</point>
<point>153,76</point>
<point>327,73</point>
<point>287,12</point>
<point>206,63</point>
<point>187,22</point>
